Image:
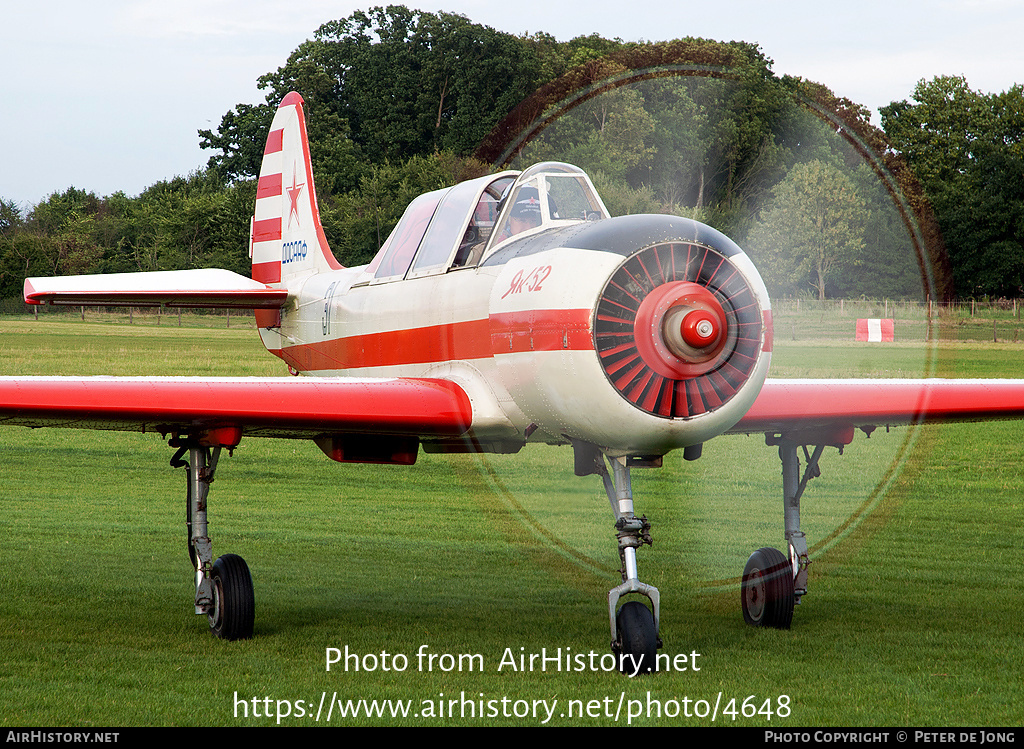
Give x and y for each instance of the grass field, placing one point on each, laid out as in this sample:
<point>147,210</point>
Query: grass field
<point>911,619</point>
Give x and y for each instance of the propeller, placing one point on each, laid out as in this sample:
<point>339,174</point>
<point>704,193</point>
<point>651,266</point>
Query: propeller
<point>678,329</point>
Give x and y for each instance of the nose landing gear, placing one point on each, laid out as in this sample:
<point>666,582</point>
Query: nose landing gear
<point>634,626</point>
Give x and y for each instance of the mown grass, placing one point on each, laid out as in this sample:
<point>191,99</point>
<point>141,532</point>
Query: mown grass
<point>911,618</point>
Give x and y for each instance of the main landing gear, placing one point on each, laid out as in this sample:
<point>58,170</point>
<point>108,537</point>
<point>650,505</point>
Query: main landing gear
<point>773,582</point>
<point>634,628</point>
<point>224,590</point>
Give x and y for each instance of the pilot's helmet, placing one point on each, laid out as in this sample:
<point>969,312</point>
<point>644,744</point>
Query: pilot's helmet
<point>527,205</point>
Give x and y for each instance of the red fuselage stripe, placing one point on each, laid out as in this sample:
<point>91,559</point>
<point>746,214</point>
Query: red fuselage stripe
<point>541,330</point>
<point>534,330</point>
<point>769,330</point>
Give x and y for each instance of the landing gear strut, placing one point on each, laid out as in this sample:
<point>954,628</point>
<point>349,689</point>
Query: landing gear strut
<point>773,582</point>
<point>634,628</point>
<point>224,591</point>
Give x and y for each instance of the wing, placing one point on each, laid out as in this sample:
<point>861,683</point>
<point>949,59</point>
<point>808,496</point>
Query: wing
<point>306,407</point>
<point>800,405</point>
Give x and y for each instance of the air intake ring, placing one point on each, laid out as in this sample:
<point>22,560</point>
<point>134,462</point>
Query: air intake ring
<point>677,329</point>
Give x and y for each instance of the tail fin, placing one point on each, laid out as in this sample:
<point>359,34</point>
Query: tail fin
<point>286,239</point>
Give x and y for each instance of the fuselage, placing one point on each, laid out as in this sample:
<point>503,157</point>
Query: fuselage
<point>521,333</point>
<point>636,334</point>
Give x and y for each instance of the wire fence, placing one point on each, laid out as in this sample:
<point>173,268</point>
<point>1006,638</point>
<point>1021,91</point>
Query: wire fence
<point>149,316</point>
<point>836,319</point>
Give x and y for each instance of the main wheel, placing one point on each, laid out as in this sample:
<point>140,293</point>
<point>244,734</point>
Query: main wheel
<point>234,603</point>
<point>767,590</point>
<point>637,638</point>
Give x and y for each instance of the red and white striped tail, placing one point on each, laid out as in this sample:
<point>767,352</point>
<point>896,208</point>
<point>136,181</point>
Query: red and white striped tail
<point>286,238</point>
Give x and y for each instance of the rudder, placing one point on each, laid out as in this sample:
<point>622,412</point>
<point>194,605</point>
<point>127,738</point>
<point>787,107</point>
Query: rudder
<point>286,238</point>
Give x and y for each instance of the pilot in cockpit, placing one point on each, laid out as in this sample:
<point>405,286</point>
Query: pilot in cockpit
<point>525,213</point>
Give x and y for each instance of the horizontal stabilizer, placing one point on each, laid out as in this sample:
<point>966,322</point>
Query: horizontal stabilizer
<point>209,287</point>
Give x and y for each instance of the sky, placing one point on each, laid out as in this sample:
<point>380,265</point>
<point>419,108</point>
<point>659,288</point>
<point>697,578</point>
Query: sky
<point>108,95</point>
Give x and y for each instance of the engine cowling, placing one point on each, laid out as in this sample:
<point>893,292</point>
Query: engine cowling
<point>678,329</point>
<point>677,336</point>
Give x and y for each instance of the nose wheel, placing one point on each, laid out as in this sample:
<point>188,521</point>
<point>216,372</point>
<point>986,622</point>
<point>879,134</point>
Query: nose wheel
<point>637,638</point>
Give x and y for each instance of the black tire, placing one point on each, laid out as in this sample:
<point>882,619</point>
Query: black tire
<point>637,638</point>
<point>234,603</point>
<point>767,593</point>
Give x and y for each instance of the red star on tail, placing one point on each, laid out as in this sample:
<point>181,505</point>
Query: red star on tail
<point>293,194</point>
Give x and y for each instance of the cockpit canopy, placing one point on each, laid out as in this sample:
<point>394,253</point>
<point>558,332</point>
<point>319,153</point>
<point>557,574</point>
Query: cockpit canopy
<point>458,226</point>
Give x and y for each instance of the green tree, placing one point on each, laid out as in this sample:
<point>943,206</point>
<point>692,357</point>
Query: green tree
<point>814,223</point>
<point>706,142</point>
<point>357,222</point>
<point>65,228</point>
<point>967,150</point>
<point>191,222</point>
<point>382,86</point>
<point>610,133</point>
<point>10,217</point>
<point>17,251</point>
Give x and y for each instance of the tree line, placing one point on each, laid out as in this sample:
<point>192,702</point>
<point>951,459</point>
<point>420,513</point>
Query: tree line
<point>400,102</point>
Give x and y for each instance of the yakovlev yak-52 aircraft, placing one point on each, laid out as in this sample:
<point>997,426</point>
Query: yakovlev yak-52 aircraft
<point>504,310</point>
